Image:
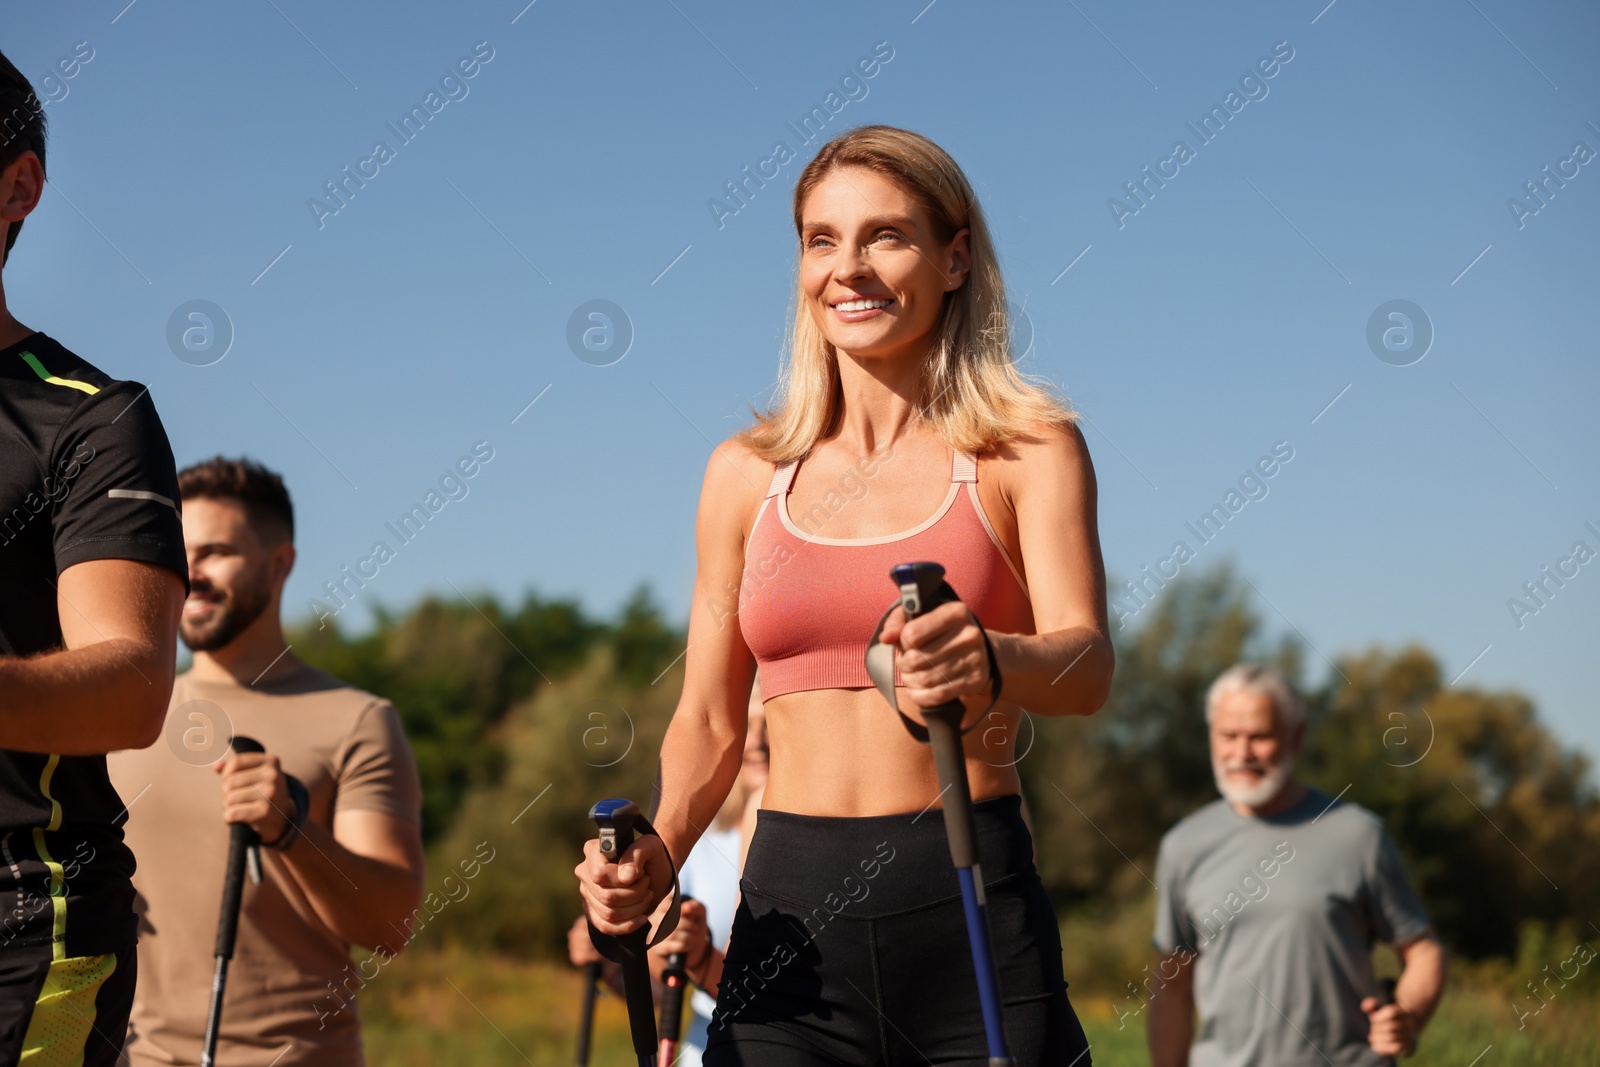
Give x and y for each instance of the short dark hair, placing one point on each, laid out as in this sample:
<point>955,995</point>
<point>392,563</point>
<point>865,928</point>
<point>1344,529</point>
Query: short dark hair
<point>260,490</point>
<point>22,128</point>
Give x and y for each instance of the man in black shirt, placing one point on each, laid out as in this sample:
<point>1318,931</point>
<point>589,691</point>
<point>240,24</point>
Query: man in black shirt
<point>92,578</point>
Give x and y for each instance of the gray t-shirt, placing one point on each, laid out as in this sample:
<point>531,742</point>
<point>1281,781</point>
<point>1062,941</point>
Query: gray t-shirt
<point>1278,916</point>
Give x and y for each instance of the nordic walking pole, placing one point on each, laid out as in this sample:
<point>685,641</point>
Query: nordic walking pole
<point>244,847</point>
<point>922,588</point>
<point>673,979</point>
<point>674,983</point>
<point>616,821</point>
<point>591,986</point>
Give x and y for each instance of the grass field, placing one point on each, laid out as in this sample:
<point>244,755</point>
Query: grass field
<point>449,1007</point>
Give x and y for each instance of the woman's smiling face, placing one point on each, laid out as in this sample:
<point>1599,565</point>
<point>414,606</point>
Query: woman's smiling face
<point>873,271</point>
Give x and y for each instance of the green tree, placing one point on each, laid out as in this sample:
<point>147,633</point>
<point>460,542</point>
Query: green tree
<point>590,735</point>
<point>454,668</point>
<point>1499,824</point>
<point>1104,789</point>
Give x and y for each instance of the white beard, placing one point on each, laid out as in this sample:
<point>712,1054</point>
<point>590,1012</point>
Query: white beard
<point>1254,796</point>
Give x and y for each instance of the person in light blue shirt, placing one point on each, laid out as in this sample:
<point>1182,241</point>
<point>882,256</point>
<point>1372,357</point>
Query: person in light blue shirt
<point>710,875</point>
<point>709,881</point>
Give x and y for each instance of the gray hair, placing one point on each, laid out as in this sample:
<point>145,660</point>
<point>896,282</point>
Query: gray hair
<point>1254,678</point>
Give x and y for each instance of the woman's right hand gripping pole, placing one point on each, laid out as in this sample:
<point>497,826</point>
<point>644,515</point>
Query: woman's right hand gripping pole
<point>621,896</point>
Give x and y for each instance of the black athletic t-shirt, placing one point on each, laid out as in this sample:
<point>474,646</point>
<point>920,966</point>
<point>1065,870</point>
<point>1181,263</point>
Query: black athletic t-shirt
<point>85,473</point>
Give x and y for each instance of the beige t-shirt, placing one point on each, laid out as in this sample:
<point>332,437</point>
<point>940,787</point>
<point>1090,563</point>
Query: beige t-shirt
<point>280,1007</point>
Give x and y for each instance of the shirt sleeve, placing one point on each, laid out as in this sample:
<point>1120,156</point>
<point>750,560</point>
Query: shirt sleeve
<point>1173,928</point>
<point>115,485</point>
<point>1397,915</point>
<point>378,772</point>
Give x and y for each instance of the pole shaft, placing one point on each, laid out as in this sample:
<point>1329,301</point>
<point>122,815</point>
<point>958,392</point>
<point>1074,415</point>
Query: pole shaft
<point>920,585</point>
<point>591,987</point>
<point>944,737</point>
<point>219,982</point>
<point>983,962</point>
<point>641,1004</point>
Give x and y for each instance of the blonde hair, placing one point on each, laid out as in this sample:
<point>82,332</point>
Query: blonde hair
<point>978,397</point>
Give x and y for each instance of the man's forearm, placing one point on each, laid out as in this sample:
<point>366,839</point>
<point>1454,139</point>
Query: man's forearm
<point>1170,1029</point>
<point>363,900</point>
<point>101,698</point>
<point>1421,982</point>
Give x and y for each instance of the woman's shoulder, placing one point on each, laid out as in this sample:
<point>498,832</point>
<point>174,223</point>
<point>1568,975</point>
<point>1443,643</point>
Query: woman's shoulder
<point>1045,449</point>
<point>736,474</point>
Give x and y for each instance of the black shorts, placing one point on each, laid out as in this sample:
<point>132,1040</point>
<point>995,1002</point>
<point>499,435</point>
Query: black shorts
<point>850,947</point>
<point>71,1010</point>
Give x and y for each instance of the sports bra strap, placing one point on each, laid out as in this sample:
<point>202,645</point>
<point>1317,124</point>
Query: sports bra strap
<point>964,467</point>
<point>782,478</point>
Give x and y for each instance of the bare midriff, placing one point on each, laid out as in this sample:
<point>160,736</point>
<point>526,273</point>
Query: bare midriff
<point>844,753</point>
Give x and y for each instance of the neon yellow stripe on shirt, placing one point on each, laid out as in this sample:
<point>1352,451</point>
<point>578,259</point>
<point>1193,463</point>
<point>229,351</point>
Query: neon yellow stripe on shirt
<point>58,894</point>
<point>64,1015</point>
<point>38,368</point>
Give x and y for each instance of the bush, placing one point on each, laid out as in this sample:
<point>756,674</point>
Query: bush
<point>583,738</point>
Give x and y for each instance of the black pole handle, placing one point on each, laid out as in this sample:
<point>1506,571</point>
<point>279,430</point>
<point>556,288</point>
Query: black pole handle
<point>1386,997</point>
<point>674,986</point>
<point>674,979</point>
<point>241,841</point>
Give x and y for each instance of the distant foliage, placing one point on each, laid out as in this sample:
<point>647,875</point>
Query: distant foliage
<point>1499,824</point>
<point>454,669</point>
<point>1104,789</point>
<point>588,736</point>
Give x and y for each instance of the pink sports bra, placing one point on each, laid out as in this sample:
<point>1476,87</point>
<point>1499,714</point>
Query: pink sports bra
<point>808,604</point>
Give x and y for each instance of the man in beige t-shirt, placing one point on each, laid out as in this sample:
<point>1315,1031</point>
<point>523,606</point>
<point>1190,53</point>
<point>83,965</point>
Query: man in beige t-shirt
<point>349,873</point>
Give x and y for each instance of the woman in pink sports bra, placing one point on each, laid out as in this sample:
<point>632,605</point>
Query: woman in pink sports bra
<point>904,432</point>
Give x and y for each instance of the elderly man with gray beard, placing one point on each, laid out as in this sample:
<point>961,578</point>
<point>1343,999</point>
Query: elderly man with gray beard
<point>1271,899</point>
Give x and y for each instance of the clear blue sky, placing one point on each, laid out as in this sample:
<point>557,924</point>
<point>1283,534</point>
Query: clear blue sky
<point>578,163</point>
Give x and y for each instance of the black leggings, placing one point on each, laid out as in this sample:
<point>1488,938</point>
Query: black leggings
<point>850,947</point>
